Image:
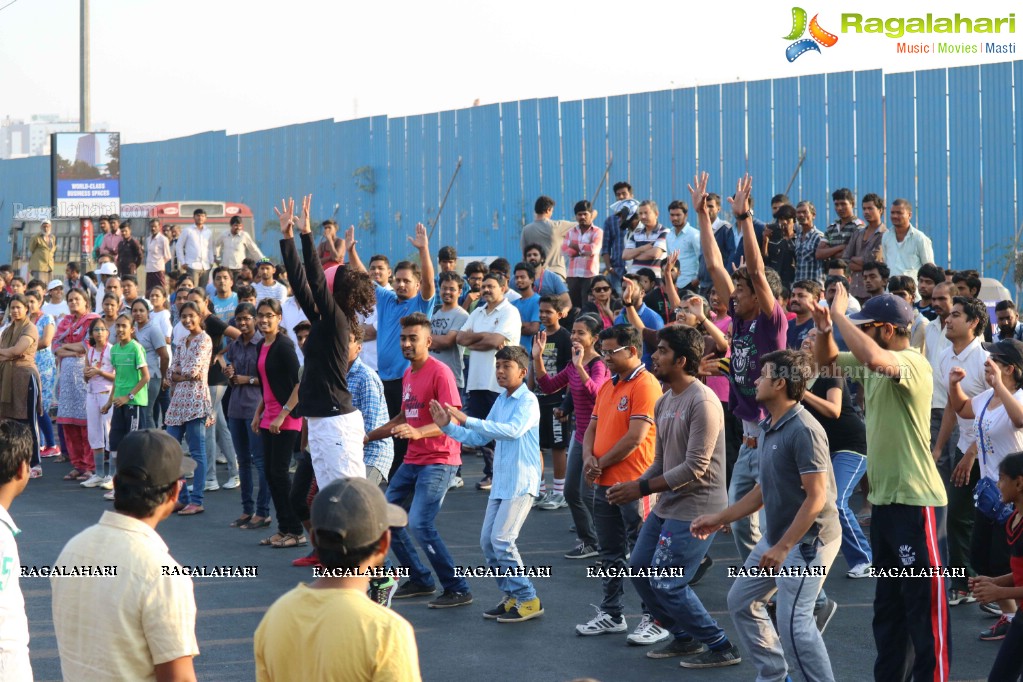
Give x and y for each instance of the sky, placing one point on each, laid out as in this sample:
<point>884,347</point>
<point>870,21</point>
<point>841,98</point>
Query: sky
<point>165,69</point>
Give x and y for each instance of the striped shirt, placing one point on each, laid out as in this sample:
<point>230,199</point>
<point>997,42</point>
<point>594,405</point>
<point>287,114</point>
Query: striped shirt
<point>807,265</point>
<point>368,397</point>
<point>585,262</point>
<point>584,394</point>
<point>639,238</point>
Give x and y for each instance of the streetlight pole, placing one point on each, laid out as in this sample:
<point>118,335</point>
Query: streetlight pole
<point>84,115</point>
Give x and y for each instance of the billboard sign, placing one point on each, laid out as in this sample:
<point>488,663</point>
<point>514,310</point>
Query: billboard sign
<point>86,173</point>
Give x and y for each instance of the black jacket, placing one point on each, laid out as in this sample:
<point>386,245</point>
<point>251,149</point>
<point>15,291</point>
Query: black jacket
<point>324,388</point>
<point>281,367</point>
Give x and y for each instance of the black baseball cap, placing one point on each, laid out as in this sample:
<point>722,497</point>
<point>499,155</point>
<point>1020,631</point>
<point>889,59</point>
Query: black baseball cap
<point>356,510</point>
<point>889,308</point>
<point>156,454</point>
<point>1008,351</point>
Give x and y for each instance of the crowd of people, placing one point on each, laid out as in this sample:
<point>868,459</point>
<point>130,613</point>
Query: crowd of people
<point>750,377</point>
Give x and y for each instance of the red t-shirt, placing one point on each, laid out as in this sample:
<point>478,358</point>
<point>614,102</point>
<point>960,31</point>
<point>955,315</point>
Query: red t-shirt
<point>1015,538</point>
<point>433,381</point>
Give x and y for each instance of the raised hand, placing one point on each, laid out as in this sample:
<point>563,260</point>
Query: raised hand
<point>821,316</point>
<point>841,301</point>
<point>630,291</point>
<point>993,375</point>
<point>740,202</point>
<point>669,264</point>
<point>456,414</point>
<point>539,343</point>
<point>957,374</point>
<point>421,241</point>
<point>350,238</point>
<point>307,225</point>
<point>577,354</point>
<point>440,416</point>
<point>698,192</point>
<point>286,216</point>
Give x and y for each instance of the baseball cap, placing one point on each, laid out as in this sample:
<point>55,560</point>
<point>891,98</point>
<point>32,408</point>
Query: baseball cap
<point>625,208</point>
<point>265,261</point>
<point>107,268</point>
<point>1009,351</point>
<point>54,284</point>
<point>46,221</point>
<point>885,308</point>
<point>356,510</point>
<point>156,454</point>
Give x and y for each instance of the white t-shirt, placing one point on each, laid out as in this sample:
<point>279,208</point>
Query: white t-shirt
<point>504,320</point>
<point>997,437</point>
<point>14,660</point>
<point>291,315</point>
<point>55,310</point>
<point>972,360</point>
<point>369,348</point>
<point>275,290</point>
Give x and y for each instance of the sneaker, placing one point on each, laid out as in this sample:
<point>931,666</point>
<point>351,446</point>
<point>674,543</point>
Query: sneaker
<point>678,647</point>
<point>232,483</point>
<point>413,589</point>
<point>456,482</point>
<point>540,499</point>
<point>862,571</point>
<point>382,591</point>
<point>310,559</point>
<point>713,659</point>
<point>109,495</point>
<point>485,484</point>
<point>523,610</point>
<point>211,485</point>
<point>582,551</point>
<point>221,459</point>
<point>997,631</point>
<point>824,614</point>
<point>554,501</point>
<point>451,599</point>
<point>991,608</point>
<point>647,632</point>
<point>705,563</point>
<point>961,597</point>
<point>108,483</point>
<point>602,624</point>
<point>50,451</point>
<point>506,605</point>
<point>93,481</point>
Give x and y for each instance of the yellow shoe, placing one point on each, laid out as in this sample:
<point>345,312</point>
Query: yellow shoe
<point>506,605</point>
<point>523,610</point>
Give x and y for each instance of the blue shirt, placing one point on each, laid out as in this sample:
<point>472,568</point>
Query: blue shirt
<point>549,283</point>
<point>614,243</point>
<point>391,364</point>
<point>368,397</point>
<point>514,422</point>
<point>224,307</point>
<point>652,321</point>
<point>529,311</point>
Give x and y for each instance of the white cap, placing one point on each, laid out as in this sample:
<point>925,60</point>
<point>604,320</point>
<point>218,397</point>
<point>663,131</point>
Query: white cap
<point>54,284</point>
<point>107,268</point>
<point>46,221</point>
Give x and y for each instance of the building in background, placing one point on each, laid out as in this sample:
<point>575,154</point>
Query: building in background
<point>19,139</point>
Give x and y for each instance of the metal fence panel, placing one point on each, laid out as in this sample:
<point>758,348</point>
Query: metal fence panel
<point>964,141</point>
<point>997,185</point>
<point>930,208</point>
<point>869,133</point>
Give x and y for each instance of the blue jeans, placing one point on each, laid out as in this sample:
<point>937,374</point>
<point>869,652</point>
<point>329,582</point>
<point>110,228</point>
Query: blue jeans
<point>195,433</point>
<point>579,495</point>
<point>426,484</point>
<point>849,469</point>
<point>800,638</point>
<point>617,529</point>
<point>478,405</point>
<point>249,448</point>
<point>501,526</point>
<point>745,474</point>
<point>667,543</point>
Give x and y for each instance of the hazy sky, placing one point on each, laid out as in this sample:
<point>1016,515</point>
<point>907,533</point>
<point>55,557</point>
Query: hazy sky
<point>164,69</point>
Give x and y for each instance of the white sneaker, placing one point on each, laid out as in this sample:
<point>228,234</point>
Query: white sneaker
<point>647,632</point>
<point>602,624</point>
<point>221,459</point>
<point>211,485</point>
<point>108,483</point>
<point>109,495</point>
<point>232,483</point>
<point>456,482</point>
<point>93,481</point>
<point>553,501</point>
<point>540,499</point>
<point>859,571</point>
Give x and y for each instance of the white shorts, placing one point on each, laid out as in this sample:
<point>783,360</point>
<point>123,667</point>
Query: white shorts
<point>335,444</point>
<point>99,424</point>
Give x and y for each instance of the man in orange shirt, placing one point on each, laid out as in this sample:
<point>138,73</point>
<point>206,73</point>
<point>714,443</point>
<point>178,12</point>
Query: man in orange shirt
<point>619,447</point>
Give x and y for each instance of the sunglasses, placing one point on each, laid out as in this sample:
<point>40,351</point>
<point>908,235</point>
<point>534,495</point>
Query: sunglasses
<point>600,290</point>
<point>609,353</point>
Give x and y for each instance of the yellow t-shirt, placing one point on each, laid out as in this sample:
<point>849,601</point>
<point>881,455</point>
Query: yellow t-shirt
<point>334,635</point>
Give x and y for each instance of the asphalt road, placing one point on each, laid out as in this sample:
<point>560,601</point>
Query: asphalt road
<point>453,643</point>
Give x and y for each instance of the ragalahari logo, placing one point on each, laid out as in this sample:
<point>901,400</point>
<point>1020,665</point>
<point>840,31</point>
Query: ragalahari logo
<point>817,36</point>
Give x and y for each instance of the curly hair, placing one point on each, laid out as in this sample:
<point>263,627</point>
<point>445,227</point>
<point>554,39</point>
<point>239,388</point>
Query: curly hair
<point>354,293</point>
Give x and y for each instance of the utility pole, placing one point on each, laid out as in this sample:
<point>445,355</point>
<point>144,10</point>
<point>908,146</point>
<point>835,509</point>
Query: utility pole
<point>84,115</point>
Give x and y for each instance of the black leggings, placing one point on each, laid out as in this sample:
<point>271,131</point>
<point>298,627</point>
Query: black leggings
<point>33,418</point>
<point>300,484</point>
<point>277,448</point>
<point>1008,665</point>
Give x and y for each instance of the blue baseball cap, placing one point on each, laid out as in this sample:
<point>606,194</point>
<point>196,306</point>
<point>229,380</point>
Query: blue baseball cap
<point>888,308</point>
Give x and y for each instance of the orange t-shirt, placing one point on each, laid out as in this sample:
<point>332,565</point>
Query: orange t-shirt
<point>617,404</point>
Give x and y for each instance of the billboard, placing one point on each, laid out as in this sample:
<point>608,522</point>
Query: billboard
<point>86,171</point>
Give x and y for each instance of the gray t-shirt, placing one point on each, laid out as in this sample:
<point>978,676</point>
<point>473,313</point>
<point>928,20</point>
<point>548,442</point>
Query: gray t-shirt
<point>796,445</point>
<point>152,339</point>
<point>444,321</point>
<point>549,234</point>
<point>689,453</point>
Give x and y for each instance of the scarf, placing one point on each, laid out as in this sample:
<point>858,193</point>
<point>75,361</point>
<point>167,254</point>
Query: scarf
<point>72,331</point>
<point>8,339</point>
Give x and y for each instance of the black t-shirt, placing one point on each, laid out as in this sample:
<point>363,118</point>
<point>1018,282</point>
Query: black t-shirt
<point>557,355</point>
<point>781,256</point>
<point>796,333</point>
<point>215,328</point>
<point>847,432</point>
<point>657,301</point>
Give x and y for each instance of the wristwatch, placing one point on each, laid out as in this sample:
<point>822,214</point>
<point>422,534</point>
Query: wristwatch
<point>285,408</point>
<point>252,381</point>
<point>131,397</point>
<point>743,216</point>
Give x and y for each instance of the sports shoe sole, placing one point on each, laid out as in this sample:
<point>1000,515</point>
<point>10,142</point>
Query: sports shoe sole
<point>613,631</point>
<point>433,605</point>
<point>521,618</point>
<point>697,666</point>
<point>633,642</point>
<point>588,555</point>
<point>699,648</point>
<point>424,593</point>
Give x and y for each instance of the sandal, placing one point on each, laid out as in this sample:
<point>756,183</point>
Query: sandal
<point>85,476</point>
<point>241,521</point>
<point>35,472</point>
<point>60,459</point>
<point>272,540</point>
<point>73,475</point>
<point>256,522</point>
<point>191,510</point>
<point>290,540</point>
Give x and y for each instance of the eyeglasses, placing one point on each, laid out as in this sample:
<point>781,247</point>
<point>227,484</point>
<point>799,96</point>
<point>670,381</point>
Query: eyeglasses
<point>609,353</point>
<point>266,316</point>
<point>600,290</point>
